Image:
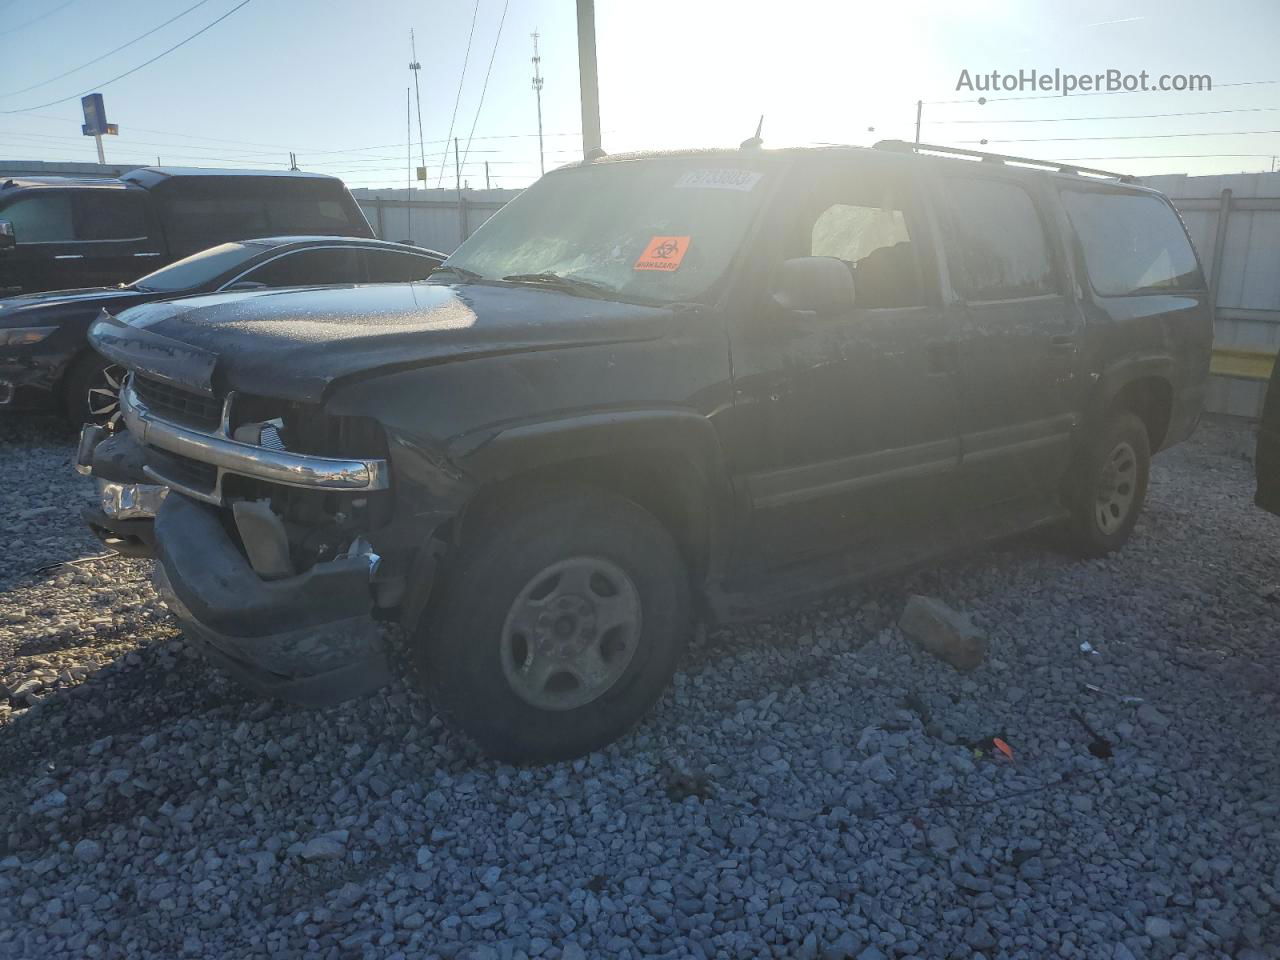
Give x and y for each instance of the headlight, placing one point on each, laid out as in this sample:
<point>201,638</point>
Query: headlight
<point>24,336</point>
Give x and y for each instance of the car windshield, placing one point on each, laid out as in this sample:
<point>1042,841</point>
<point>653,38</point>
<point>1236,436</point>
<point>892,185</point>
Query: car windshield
<point>658,230</point>
<point>199,268</point>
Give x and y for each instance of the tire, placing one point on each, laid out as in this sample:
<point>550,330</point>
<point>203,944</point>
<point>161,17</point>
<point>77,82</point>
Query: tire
<point>1108,486</point>
<point>515,652</point>
<point>91,391</point>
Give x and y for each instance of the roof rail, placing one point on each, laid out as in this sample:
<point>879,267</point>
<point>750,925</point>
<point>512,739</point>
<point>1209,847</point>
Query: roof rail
<point>905,146</point>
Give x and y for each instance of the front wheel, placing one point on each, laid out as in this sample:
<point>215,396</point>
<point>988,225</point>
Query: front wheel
<point>558,626</point>
<point>92,393</point>
<point>1109,486</point>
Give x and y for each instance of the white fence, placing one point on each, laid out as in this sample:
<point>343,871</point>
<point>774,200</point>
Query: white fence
<point>1234,221</point>
<point>439,223</point>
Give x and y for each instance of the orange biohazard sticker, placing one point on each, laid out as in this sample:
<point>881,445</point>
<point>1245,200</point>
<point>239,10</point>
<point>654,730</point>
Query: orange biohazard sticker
<point>663,253</point>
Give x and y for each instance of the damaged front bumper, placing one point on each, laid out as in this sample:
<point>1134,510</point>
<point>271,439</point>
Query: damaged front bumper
<point>309,638</point>
<point>127,500</point>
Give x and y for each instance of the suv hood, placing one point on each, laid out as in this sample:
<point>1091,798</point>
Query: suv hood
<point>292,344</point>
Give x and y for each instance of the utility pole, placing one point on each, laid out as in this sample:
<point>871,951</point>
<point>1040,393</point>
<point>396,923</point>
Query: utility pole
<point>587,82</point>
<point>415,66</point>
<point>486,174</point>
<point>462,210</point>
<point>408,169</point>
<point>537,90</point>
<point>919,109</point>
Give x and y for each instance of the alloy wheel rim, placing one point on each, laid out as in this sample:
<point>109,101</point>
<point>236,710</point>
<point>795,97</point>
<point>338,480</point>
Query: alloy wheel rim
<point>1117,487</point>
<point>571,633</point>
<point>103,398</point>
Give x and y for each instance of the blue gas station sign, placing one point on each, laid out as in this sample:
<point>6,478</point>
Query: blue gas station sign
<point>95,117</point>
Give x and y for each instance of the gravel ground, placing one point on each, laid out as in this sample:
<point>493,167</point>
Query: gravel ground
<point>812,786</point>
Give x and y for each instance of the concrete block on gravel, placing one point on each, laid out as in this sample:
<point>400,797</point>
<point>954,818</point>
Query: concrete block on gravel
<point>947,634</point>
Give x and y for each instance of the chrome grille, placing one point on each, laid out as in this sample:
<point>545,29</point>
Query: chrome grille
<point>181,406</point>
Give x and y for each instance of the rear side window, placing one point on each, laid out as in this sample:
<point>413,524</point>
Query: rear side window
<point>309,267</point>
<point>195,223</point>
<point>995,241</point>
<point>112,215</point>
<point>1132,244</point>
<point>388,266</point>
<point>41,218</point>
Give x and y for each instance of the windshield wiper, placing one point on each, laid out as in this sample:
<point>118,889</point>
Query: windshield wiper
<point>462,273</point>
<point>568,284</point>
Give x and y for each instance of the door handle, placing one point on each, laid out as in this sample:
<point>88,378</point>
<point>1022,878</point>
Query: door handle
<point>69,256</point>
<point>1062,344</point>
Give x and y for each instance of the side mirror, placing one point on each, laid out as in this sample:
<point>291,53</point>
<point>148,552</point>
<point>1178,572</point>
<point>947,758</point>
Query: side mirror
<point>8,239</point>
<point>821,285</point>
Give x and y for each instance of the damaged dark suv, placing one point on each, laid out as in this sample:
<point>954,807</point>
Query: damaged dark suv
<point>653,388</point>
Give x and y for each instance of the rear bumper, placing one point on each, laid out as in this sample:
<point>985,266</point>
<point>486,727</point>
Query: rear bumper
<point>309,638</point>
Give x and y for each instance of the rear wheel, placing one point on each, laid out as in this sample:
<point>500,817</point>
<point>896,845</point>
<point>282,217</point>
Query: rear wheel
<point>558,626</point>
<point>1109,486</point>
<point>92,392</point>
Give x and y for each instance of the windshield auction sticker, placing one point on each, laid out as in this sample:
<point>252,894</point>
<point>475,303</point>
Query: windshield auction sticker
<point>722,179</point>
<point>663,253</point>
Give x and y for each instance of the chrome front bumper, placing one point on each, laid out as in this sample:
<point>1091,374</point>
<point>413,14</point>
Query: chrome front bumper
<point>219,450</point>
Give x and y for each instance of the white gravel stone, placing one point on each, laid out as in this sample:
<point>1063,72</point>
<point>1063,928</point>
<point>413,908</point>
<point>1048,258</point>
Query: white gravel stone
<point>810,786</point>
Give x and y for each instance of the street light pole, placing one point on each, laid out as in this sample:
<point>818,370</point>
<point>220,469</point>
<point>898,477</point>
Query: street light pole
<point>587,79</point>
<point>415,66</point>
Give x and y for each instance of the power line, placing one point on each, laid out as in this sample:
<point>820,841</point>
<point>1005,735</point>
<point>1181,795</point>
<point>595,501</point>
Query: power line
<point>1171,156</point>
<point>165,133</point>
<point>496,136</point>
<point>1136,136</point>
<point>43,16</point>
<point>165,53</point>
<point>484,88</point>
<point>457,99</point>
<point>1129,116</point>
<point>104,56</point>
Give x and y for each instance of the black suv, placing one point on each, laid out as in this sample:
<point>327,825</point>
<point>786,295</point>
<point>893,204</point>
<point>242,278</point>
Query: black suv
<point>651,388</point>
<point>59,233</point>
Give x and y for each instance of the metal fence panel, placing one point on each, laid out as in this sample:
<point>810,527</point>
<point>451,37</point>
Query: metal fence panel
<point>1244,272</point>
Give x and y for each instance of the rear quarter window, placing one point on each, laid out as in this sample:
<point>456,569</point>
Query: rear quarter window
<point>302,215</point>
<point>1131,243</point>
<point>112,215</point>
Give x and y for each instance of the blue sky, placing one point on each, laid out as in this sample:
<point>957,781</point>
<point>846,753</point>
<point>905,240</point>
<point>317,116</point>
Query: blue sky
<point>326,79</point>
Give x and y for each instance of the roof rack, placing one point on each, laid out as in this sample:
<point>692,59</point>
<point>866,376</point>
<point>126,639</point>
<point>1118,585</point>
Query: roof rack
<point>905,146</point>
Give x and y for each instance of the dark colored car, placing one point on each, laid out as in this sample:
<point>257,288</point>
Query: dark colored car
<point>652,388</point>
<point>1267,459</point>
<point>45,359</point>
<point>60,233</point>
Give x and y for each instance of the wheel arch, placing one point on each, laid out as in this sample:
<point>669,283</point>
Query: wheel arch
<point>668,462</point>
<point>1144,387</point>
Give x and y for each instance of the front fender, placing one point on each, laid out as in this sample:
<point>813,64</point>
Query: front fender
<point>519,448</point>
